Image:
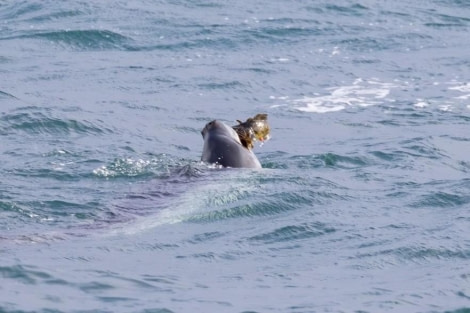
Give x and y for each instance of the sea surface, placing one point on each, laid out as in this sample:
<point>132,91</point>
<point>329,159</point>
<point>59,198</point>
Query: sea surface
<point>363,202</point>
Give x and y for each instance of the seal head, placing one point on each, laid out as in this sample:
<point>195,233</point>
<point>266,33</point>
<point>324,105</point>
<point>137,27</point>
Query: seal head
<point>222,146</point>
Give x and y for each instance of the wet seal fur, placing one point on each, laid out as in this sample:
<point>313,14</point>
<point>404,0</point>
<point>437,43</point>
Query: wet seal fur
<point>222,146</point>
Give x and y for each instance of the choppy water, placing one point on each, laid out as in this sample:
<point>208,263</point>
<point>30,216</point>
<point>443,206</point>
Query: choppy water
<point>363,202</point>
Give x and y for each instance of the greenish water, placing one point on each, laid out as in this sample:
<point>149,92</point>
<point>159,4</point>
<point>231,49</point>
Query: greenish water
<point>363,201</point>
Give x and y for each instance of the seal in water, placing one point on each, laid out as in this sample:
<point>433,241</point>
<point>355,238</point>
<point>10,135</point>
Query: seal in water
<point>222,146</point>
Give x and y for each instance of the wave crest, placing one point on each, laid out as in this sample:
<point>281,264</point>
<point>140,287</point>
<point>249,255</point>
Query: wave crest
<point>39,123</point>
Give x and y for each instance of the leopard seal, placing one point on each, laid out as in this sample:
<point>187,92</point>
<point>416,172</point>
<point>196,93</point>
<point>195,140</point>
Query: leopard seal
<point>222,146</point>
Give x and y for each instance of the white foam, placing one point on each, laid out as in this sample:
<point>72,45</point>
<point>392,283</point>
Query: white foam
<point>364,93</point>
<point>464,88</point>
<point>421,103</point>
<point>335,51</point>
<point>280,60</point>
<point>361,93</point>
<point>128,166</point>
<point>279,98</point>
<point>445,107</point>
<point>464,97</point>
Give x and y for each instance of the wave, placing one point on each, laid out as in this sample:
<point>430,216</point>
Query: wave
<point>350,10</point>
<point>45,20</point>
<point>25,274</point>
<point>443,200</point>
<point>463,88</point>
<point>280,160</point>
<point>35,123</point>
<point>81,40</point>
<point>282,203</point>
<point>7,95</point>
<point>443,194</point>
<point>36,12</point>
<point>279,34</point>
<point>293,233</point>
<point>19,9</point>
<point>420,253</point>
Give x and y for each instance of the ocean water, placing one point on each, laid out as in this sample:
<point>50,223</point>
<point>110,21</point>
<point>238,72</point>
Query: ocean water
<point>363,202</point>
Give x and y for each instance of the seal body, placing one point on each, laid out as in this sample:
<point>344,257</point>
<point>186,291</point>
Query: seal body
<point>222,146</point>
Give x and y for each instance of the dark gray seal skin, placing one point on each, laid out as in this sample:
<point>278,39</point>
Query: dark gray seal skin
<point>222,146</point>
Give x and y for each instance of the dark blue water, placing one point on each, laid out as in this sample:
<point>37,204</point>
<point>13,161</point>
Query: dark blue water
<point>363,204</point>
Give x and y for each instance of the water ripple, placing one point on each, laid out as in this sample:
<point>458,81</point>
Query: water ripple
<point>363,198</point>
<point>293,233</point>
<point>36,123</point>
<point>24,274</point>
<point>80,39</point>
<point>160,165</point>
<point>18,9</point>
<point>443,199</point>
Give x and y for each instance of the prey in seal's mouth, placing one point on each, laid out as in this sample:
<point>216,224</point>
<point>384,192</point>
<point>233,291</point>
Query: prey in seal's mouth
<point>253,129</point>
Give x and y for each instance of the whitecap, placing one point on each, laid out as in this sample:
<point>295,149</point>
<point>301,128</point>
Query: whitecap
<point>464,88</point>
<point>445,107</point>
<point>421,103</point>
<point>360,94</point>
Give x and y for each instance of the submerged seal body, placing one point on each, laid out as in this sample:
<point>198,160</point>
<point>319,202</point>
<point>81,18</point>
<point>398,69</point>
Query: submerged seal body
<point>222,146</point>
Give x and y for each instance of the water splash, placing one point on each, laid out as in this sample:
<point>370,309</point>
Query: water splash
<point>136,167</point>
